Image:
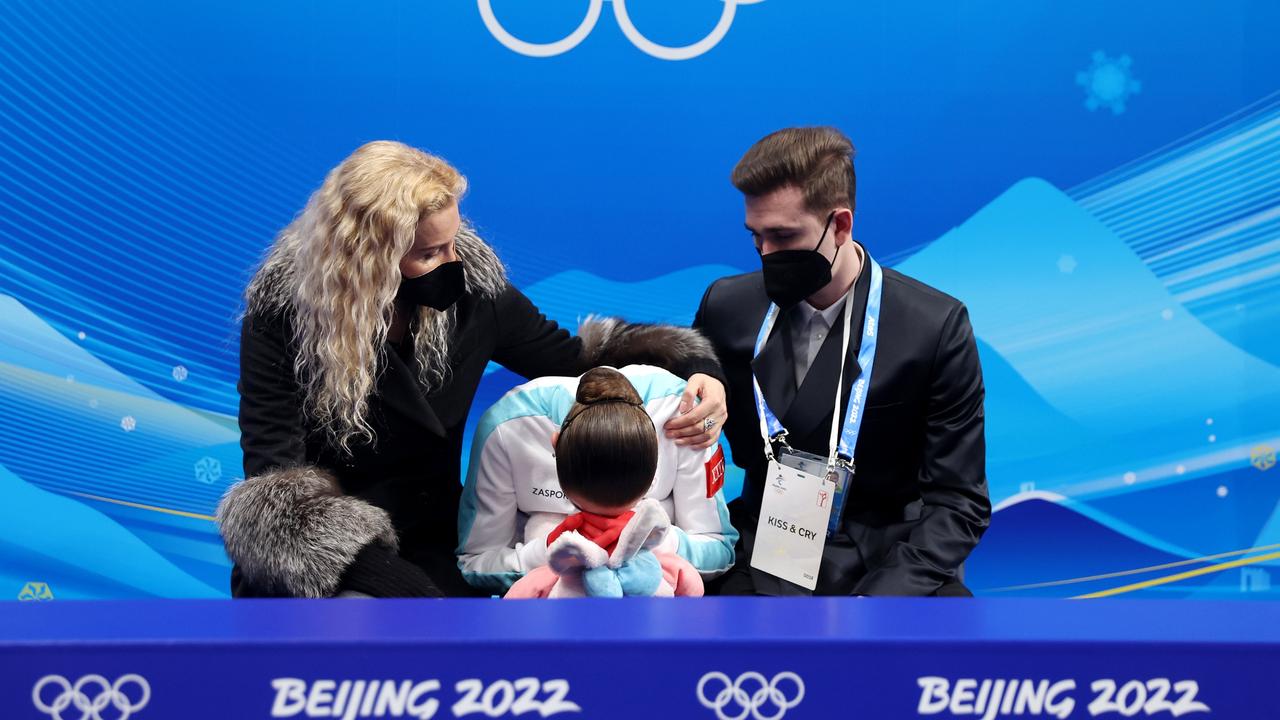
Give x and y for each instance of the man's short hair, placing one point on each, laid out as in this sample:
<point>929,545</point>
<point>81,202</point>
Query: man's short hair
<point>817,160</point>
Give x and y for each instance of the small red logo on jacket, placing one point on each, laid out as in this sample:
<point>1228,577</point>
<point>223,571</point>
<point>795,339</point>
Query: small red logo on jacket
<point>715,472</point>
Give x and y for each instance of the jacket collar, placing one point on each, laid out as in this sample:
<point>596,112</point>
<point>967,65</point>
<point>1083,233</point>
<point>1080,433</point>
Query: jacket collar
<point>401,392</point>
<point>801,409</point>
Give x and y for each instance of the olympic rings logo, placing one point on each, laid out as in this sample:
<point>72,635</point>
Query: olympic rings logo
<point>737,693</point>
<point>91,708</point>
<point>570,41</point>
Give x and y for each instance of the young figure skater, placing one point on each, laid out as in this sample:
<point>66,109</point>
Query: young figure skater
<point>513,496</point>
<point>606,455</point>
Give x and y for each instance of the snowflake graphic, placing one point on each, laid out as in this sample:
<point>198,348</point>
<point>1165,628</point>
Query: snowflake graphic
<point>208,470</point>
<point>128,424</point>
<point>1263,457</point>
<point>1109,82</point>
<point>180,372</point>
<point>1067,264</point>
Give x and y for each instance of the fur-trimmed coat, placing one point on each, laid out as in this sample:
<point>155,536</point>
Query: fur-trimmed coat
<point>308,509</point>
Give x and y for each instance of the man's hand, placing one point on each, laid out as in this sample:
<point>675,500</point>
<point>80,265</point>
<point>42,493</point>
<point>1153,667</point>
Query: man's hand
<point>703,398</point>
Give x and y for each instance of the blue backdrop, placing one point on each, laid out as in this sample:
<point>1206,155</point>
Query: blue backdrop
<point>1099,181</point>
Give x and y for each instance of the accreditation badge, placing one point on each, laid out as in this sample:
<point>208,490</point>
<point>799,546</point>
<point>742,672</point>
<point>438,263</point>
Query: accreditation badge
<point>841,477</point>
<point>792,532</point>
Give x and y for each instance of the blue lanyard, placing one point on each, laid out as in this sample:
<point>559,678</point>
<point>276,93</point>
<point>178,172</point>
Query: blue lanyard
<point>771,429</point>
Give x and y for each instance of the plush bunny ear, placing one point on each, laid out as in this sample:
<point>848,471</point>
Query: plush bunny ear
<point>571,552</point>
<point>644,531</point>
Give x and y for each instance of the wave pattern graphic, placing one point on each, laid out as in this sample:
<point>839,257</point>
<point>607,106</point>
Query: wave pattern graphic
<point>78,427</point>
<point>104,202</point>
<point>1204,214</point>
<point>80,552</point>
<point>1049,546</point>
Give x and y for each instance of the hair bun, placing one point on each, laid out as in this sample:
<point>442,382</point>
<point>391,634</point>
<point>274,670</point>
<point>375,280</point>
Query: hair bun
<point>611,453</point>
<point>604,384</point>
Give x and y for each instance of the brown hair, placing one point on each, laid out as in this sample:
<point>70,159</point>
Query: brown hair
<point>817,160</point>
<point>608,446</point>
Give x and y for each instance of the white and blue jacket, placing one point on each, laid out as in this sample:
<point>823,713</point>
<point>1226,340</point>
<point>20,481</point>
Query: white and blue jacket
<point>512,498</point>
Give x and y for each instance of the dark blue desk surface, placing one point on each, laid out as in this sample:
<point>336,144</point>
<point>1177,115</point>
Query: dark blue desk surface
<point>725,658</point>
<point>642,620</point>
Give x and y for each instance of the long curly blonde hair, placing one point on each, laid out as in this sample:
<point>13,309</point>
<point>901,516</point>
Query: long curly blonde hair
<point>335,272</point>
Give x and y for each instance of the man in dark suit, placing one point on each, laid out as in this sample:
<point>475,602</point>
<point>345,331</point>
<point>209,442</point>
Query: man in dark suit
<point>916,503</point>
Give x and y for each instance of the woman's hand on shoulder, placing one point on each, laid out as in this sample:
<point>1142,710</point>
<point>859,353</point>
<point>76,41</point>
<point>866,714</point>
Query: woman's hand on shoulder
<point>703,411</point>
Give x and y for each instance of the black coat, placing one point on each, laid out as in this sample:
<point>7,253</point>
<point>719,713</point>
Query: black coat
<point>919,500</point>
<point>413,469</point>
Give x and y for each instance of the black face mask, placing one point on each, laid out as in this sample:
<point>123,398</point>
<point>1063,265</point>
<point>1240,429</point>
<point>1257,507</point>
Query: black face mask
<point>438,289</point>
<point>793,275</point>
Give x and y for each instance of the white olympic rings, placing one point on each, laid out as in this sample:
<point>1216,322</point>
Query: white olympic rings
<point>734,693</point>
<point>91,708</point>
<point>570,41</point>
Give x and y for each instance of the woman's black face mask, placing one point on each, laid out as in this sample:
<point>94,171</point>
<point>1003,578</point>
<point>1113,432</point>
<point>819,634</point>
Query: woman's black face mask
<point>793,275</point>
<point>438,289</point>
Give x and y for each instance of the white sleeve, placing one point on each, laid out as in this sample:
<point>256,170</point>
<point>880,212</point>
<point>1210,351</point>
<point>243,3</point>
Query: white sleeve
<point>533,553</point>
<point>490,554</point>
<point>700,524</point>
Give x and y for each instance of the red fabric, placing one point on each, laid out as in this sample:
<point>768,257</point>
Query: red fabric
<point>715,472</point>
<point>603,530</point>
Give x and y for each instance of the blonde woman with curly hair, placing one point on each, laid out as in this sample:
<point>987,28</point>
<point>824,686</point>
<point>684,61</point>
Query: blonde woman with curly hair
<point>367,330</point>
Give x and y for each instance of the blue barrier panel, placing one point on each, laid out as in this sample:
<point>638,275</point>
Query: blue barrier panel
<point>711,658</point>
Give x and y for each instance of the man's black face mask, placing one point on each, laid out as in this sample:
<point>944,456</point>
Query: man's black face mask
<point>793,275</point>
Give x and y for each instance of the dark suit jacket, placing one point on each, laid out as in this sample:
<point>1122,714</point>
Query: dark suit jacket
<point>412,471</point>
<point>919,500</point>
